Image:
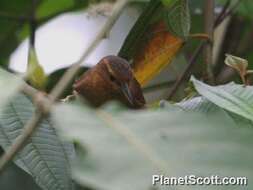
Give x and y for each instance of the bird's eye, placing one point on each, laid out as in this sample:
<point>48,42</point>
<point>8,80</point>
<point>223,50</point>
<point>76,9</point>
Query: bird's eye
<point>112,78</point>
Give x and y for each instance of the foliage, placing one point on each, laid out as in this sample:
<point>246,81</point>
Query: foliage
<point>45,156</point>
<point>122,149</point>
<point>113,147</point>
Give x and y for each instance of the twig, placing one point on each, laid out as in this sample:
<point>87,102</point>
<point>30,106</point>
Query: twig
<point>220,18</point>
<point>227,12</point>
<point>33,23</point>
<point>61,85</point>
<point>202,36</point>
<point>209,29</point>
<point>187,70</point>
<point>20,140</point>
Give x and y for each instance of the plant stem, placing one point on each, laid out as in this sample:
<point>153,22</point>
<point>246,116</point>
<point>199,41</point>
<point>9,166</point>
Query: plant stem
<point>187,70</point>
<point>33,23</point>
<point>209,30</point>
<point>227,11</point>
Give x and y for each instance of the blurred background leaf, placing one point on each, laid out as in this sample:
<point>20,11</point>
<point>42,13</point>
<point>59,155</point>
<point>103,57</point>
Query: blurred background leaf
<point>124,149</point>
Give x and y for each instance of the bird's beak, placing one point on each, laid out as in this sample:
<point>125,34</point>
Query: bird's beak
<point>126,91</point>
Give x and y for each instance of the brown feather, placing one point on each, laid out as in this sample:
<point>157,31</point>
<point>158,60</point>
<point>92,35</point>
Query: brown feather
<point>103,82</point>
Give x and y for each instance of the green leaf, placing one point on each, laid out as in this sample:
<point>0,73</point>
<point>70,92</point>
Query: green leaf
<point>45,156</point>
<point>48,7</point>
<point>232,97</point>
<point>123,150</point>
<point>204,106</point>
<point>179,19</point>
<point>35,73</point>
<point>9,85</point>
<point>167,3</point>
<point>200,105</point>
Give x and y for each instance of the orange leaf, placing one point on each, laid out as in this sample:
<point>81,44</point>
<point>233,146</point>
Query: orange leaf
<point>157,52</point>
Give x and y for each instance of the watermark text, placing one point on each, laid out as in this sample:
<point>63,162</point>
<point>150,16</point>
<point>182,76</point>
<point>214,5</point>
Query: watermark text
<point>198,180</point>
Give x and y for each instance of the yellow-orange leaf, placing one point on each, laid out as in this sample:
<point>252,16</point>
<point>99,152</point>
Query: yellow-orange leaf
<point>157,52</point>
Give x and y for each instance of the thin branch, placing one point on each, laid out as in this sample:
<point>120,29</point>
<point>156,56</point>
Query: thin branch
<point>227,12</point>
<point>186,72</point>
<point>220,18</point>
<point>202,36</point>
<point>209,29</point>
<point>20,140</point>
<point>61,85</point>
<point>33,23</point>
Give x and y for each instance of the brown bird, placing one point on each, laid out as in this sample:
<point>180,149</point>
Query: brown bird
<point>111,79</point>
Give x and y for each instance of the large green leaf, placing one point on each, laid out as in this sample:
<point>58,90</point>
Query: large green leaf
<point>202,105</point>
<point>123,150</point>
<point>9,85</point>
<point>199,104</point>
<point>45,156</point>
<point>235,98</point>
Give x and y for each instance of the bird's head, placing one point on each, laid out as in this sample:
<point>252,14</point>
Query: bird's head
<point>119,75</point>
<point>112,78</point>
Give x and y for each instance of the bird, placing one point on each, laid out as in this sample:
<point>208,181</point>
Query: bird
<point>110,79</point>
